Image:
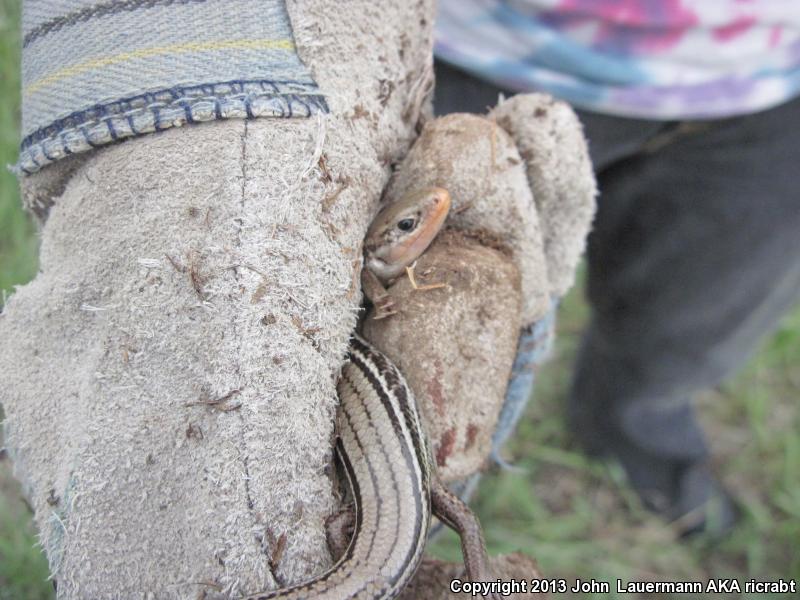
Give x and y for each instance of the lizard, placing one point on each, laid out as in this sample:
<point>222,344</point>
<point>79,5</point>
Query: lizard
<point>397,237</point>
<point>381,445</point>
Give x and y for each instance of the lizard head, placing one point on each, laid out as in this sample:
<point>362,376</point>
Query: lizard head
<point>402,231</point>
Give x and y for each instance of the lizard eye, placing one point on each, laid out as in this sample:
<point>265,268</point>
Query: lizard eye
<point>406,224</point>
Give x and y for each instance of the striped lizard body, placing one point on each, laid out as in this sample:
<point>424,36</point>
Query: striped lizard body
<point>384,454</point>
<point>382,445</point>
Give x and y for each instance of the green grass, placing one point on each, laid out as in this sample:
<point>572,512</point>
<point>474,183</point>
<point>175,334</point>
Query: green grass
<point>23,569</point>
<point>18,243</point>
<point>579,519</point>
<point>576,517</point>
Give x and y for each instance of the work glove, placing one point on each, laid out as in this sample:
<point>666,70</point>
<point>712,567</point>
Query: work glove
<point>469,345</point>
<point>169,376</point>
<point>477,320</point>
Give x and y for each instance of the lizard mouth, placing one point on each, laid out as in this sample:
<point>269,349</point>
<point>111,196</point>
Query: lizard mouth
<point>383,269</point>
<point>375,262</point>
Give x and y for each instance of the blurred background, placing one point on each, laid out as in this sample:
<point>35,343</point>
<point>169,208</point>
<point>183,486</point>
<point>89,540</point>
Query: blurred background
<point>575,516</point>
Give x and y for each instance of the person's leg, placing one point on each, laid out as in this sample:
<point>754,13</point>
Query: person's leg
<point>695,254</point>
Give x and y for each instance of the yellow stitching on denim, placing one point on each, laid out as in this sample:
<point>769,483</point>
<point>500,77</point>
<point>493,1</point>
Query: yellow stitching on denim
<point>97,63</point>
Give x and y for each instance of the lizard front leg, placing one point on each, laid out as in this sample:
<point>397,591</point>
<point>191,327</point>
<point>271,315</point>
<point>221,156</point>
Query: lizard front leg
<point>375,291</point>
<point>420,287</point>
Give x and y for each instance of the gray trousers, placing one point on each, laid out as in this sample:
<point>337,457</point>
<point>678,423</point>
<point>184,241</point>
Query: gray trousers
<point>694,256</point>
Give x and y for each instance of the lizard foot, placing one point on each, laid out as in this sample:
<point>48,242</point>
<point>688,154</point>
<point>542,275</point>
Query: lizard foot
<point>384,307</point>
<point>340,527</point>
<point>421,287</point>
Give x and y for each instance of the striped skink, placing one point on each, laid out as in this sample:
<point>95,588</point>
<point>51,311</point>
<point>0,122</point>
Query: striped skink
<point>381,443</point>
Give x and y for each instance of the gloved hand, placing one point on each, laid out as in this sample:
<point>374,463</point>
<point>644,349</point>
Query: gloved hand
<point>522,194</point>
<point>169,376</point>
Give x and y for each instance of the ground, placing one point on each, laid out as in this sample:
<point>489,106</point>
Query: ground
<point>575,516</point>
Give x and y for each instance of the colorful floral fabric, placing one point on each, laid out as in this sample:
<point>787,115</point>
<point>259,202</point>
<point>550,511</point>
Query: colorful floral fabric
<point>657,59</point>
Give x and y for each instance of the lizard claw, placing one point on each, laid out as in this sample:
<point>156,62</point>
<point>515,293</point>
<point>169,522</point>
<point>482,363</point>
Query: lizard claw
<point>384,307</point>
<point>420,287</point>
<point>339,527</point>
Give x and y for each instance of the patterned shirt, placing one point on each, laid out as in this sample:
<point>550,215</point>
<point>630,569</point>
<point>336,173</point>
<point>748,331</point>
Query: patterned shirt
<point>656,59</point>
